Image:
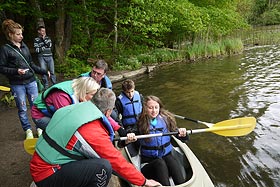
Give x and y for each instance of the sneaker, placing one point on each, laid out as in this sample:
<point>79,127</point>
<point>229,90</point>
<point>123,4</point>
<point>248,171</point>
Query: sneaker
<point>29,134</point>
<point>39,132</point>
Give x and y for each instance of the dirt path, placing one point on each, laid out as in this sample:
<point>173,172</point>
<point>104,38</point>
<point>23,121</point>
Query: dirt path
<point>14,161</point>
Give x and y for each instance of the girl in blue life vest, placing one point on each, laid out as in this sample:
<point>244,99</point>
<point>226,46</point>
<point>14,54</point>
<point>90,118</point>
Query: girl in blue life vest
<point>156,158</point>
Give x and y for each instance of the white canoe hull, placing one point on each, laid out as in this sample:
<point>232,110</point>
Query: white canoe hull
<point>196,174</point>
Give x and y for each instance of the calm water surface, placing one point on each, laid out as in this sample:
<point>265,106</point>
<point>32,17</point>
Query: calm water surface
<point>221,89</point>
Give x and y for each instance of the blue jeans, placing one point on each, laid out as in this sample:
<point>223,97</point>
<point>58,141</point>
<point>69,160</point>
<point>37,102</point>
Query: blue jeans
<point>20,92</point>
<point>42,122</point>
<point>47,63</point>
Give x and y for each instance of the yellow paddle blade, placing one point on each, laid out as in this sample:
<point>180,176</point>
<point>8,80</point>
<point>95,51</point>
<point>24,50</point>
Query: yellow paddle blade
<point>29,145</point>
<point>234,127</point>
<point>4,88</point>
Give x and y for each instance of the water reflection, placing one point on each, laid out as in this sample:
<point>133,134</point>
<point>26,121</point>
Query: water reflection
<point>220,89</point>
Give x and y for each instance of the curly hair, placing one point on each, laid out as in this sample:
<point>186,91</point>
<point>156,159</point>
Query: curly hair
<point>9,27</point>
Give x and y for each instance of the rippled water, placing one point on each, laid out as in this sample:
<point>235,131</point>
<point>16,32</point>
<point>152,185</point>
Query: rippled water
<point>221,89</point>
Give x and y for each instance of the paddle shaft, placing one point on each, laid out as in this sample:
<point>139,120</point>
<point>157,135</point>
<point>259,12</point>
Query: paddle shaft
<point>194,120</point>
<point>148,135</point>
<point>185,118</point>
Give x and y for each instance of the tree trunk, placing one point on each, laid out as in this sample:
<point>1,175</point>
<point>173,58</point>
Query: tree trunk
<point>59,33</point>
<point>115,28</point>
<point>36,5</point>
<point>86,19</point>
<point>68,33</point>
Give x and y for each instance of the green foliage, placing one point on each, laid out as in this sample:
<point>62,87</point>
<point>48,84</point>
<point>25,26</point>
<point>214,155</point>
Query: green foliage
<point>260,35</point>
<point>153,57</point>
<point>214,49</point>
<point>73,67</point>
<point>271,17</point>
<point>222,22</point>
<point>101,48</point>
<point>77,51</point>
<point>147,58</point>
<point>265,12</point>
<point>233,46</point>
<point>17,7</point>
<point>147,21</point>
<point>129,31</point>
<point>165,55</point>
<point>8,99</point>
<point>124,63</point>
<point>217,3</point>
<point>245,8</point>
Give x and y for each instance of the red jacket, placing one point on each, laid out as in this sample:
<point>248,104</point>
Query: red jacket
<point>97,137</point>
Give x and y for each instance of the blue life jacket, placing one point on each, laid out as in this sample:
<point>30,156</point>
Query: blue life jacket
<point>105,82</point>
<point>156,147</point>
<point>131,108</point>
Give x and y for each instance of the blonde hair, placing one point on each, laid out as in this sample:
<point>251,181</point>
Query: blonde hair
<point>84,85</point>
<point>9,27</point>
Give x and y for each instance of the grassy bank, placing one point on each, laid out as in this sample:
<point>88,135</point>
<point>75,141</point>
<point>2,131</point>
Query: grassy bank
<point>188,53</point>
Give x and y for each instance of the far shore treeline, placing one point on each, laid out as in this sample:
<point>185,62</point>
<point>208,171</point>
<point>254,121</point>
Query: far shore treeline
<point>129,34</point>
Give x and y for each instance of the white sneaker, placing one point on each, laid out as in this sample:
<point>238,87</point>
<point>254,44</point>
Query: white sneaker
<point>39,132</point>
<point>29,134</point>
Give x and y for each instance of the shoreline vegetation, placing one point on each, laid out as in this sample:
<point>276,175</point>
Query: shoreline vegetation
<point>138,60</point>
<point>132,65</point>
<point>140,57</point>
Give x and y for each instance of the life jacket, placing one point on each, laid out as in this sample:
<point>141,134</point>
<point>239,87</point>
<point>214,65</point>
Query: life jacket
<point>62,127</point>
<point>105,82</point>
<point>131,108</point>
<point>40,102</point>
<point>157,147</point>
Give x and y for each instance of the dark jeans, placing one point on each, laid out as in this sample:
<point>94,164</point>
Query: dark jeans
<point>47,63</point>
<point>160,169</point>
<point>42,123</point>
<point>85,173</point>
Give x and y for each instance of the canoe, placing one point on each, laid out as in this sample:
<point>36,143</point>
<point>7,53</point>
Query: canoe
<point>195,174</point>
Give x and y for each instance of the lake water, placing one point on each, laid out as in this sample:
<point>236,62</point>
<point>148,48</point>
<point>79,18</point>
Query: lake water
<point>224,88</point>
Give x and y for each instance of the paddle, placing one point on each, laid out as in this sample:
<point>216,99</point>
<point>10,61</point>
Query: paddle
<point>194,120</point>
<point>4,88</point>
<point>232,127</point>
<point>29,145</point>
